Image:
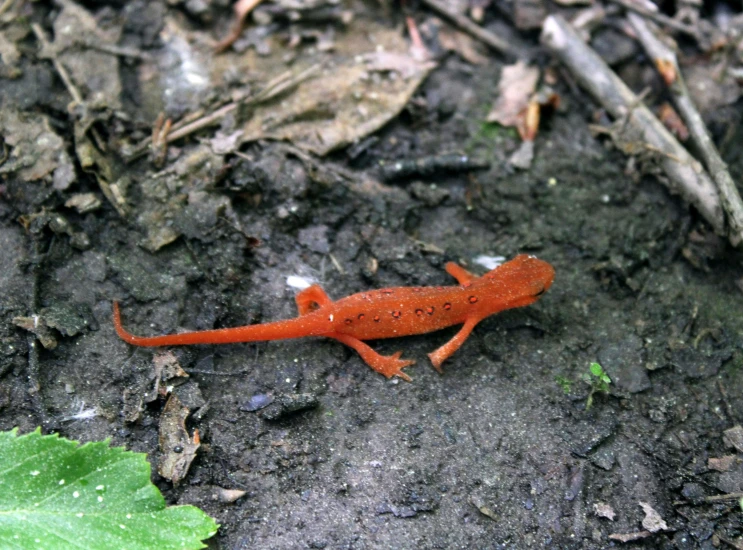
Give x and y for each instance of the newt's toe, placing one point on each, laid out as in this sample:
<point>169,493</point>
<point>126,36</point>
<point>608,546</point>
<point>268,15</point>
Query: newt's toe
<point>393,365</point>
<point>436,362</point>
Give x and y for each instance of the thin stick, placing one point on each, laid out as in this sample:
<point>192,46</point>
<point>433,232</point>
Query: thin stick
<point>664,57</point>
<point>685,175</point>
<point>6,6</point>
<point>47,49</point>
<point>659,18</point>
<point>470,27</point>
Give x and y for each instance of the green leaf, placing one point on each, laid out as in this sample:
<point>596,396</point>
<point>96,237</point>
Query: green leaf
<point>596,370</point>
<point>55,493</point>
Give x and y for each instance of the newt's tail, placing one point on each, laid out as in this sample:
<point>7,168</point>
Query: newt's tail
<point>279,330</point>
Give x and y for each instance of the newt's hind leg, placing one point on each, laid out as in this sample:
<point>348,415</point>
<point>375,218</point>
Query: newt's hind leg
<point>311,296</point>
<point>444,352</point>
<point>459,273</point>
<point>390,365</point>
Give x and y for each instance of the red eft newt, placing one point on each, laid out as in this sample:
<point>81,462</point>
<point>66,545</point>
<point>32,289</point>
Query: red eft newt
<point>387,313</point>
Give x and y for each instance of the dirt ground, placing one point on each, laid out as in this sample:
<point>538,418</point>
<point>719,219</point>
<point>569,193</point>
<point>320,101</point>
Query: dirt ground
<point>499,451</point>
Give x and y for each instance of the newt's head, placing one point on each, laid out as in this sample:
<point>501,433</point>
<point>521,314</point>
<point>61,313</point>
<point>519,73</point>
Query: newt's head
<point>521,281</point>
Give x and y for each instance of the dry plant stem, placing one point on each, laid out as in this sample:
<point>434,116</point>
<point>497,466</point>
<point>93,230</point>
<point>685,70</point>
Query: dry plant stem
<point>727,496</point>
<point>659,18</point>
<point>685,174</point>
<point>730,198</point>
<point>470,27</point>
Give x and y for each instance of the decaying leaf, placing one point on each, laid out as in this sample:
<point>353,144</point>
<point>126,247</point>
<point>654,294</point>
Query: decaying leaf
<point>177,448</point>
<point>167,366</point>
<point>342,104</point>
<point>102,166</point>
<point>734,438</point>
<point>83,202</point>
<point>38,327</point>
<point>519,104</point>
<point>652,520</point>
<point>517,84</point>
<point>36,151</point>
<point>78,41</point>
<point>603,510</point>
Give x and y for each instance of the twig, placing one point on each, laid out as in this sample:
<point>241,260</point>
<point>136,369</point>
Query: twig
<point>659,18</point>
<point>5,6</point>
<point>485,36</point>
<point>721,498</point>
<point>118,50</point>
<point>665,60</point>
<point>61,70</point>
<point>686,175</point>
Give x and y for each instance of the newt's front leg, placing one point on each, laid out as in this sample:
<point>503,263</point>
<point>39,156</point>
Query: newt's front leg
<point>313,295</point>
<point>459,273</point>
<point>390,365</point>
<point>444,352</point>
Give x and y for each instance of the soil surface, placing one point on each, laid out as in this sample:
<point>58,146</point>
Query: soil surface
<point>499,451</point>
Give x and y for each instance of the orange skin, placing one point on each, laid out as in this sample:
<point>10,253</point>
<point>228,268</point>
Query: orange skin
<point>387,313</point>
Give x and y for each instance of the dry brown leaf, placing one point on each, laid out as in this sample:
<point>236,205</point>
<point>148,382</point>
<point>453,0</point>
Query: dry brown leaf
<point>517,84</point>
<point>177,448</point>
<point>76,34</point>
<point>342,104</point>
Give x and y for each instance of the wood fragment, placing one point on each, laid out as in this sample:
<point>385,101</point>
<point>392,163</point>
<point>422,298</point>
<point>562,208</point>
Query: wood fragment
<point>667,62</point>
<point>685,175</point>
